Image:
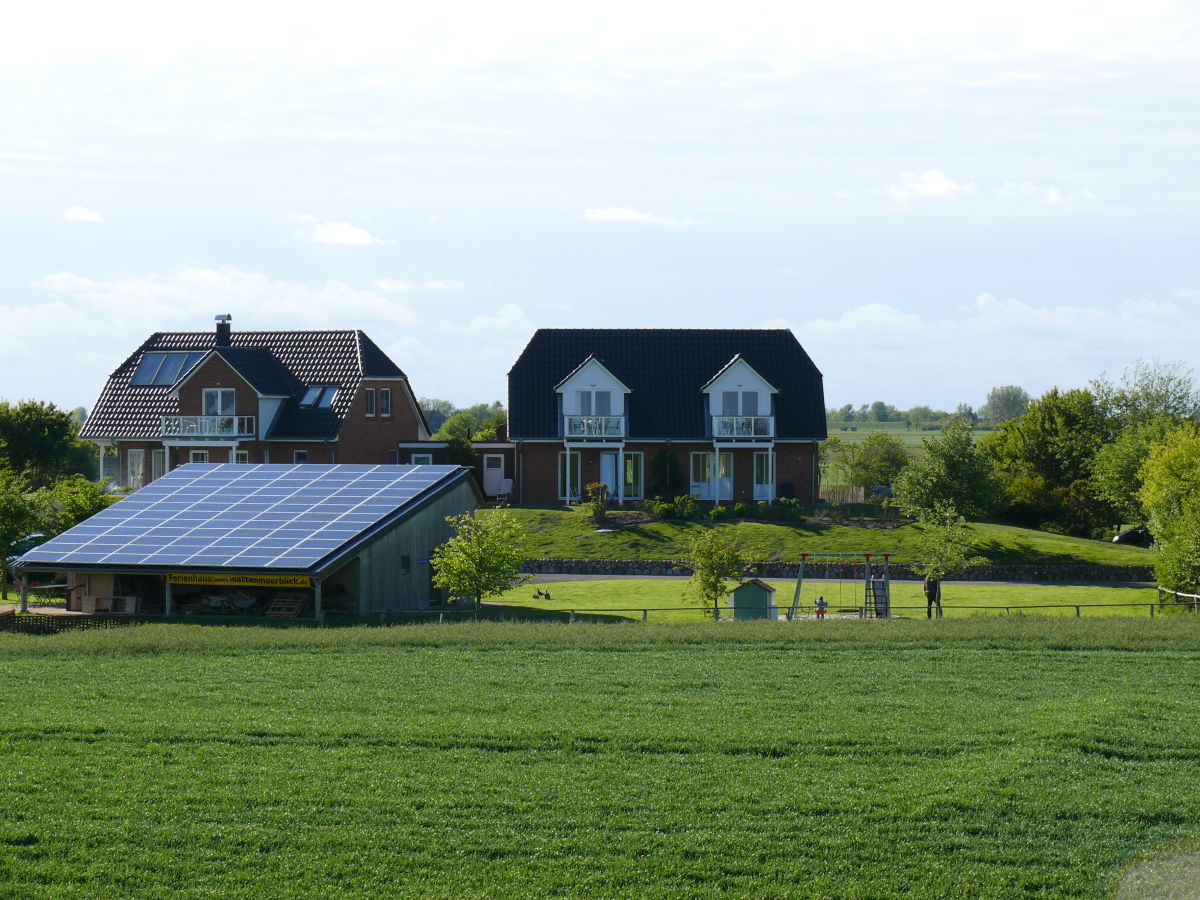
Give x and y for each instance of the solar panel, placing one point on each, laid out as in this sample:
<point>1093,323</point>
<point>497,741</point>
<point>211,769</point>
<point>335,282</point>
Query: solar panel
<point>263,516</point>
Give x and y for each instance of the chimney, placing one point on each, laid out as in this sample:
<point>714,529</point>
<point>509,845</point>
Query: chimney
<point>223,330</point>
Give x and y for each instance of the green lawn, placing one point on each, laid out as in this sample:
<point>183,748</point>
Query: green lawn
<point>994,758</point>
<point>626,598</point>
<point>560,532</point>
<point>853,432</point>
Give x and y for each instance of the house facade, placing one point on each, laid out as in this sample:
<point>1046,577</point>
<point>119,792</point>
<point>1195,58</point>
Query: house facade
<point>253,397</point>
<point>727,415</point>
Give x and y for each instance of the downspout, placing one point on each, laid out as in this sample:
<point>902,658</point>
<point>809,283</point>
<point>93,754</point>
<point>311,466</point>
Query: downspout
<point>520,472</point>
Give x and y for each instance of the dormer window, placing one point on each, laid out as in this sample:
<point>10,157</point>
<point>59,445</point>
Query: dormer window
<point>739,403</point>
<point>319,397</point>
<point>594,403</point>
<point>219,402</point>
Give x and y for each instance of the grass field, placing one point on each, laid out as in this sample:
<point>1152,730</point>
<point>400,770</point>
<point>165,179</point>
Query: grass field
<point>1005,757</point>
<point>569,532</point>
<point>853,432</point>
<point>628,597</point>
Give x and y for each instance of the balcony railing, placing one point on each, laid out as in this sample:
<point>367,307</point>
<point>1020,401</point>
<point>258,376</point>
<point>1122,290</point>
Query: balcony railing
<point>201,427</point>
<point>595,426</point>
<point>743,426</point>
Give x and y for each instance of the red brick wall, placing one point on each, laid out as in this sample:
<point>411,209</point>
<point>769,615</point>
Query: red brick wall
<point>370,440</point>
<point>794,464</point>
<point>216,373</point>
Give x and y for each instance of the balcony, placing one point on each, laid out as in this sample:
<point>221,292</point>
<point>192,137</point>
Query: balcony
<point>207,427</point>
<point>743,427</point>
<point>583,427</point>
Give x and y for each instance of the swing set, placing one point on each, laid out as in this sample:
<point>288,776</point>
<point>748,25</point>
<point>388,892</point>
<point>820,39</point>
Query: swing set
<point>877,596</point>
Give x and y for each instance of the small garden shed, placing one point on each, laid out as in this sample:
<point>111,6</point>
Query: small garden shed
<point>753,599</point>
<point>273,540</point>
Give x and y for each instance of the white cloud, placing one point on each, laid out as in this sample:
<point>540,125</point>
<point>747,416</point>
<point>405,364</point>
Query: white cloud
<point>558,307</point>
<point>82,214</point>
<point>334,232</point>
<point>399,286</point>
<point>625,214</point>
<point>508,322</point>
<point>959,356</point>
<point>1046,194</point>
<point>926,185</point>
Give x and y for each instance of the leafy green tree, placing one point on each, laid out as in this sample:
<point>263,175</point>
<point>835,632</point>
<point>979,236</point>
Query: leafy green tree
<point>1170,477</point>
<point>41,442</point>
<point>666,475</point>
<point>484,558</point>
<point>474,423</point>
<point>1150,390</point>
<point>716,561</point>
<point>71,500</point>
<point>918,417</point>
<point>950,473</point>
<point>1117,464</point>
<point>1004,403</point>
<point>1177,566</point>
<point>944,548</point>
<point>21,514</point>
<point>436,412</point>
<point>461,425</point>
<point>459,452</point>
<point>877,460</point>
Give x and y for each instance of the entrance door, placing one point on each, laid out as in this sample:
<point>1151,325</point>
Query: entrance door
<point>724,482</point>
<point>764,476</point>
<point>493,473</point>
<point>608,473</point>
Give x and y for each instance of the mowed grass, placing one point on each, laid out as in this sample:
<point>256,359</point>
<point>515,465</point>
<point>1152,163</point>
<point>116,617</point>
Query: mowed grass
<point>854,432</point>
<point>570,533</point>
<point>974,758</point>
<point>666,600</point>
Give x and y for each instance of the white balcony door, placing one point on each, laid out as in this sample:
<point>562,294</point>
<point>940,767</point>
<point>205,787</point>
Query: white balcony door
<point>764,476</point>
<point>712,476</point>
<point>135,477</point>
<point>608,472</point>
<point>493,473</point>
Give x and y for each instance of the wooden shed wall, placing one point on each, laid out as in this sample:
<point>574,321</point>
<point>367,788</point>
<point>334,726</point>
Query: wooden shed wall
<point>381,584</point>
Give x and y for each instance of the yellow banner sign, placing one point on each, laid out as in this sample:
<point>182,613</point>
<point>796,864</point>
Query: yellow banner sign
<point>231,578</point>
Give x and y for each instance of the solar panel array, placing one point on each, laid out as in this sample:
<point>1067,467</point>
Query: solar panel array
<point>262,517</point>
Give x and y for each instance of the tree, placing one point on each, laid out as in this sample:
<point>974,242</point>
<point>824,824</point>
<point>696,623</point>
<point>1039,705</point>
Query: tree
<point>484,558</point>
<point>965,412</point>
<point>1178,547</point>
<point>21,512</point>
<point>71,500</point>
<point>944,548</point>
<point>716,561</point>
<point>918,416</point>
<point>461,425</point>
<point>41,442</point>
<point>474,423</point>
<point>1149,390</point>
<point>436,412</point>
<point>881,412</point>
<point>1004,403</point>
<point>950,473</point>
<point>877,460</point>
<point>1170,478</point>
<point>1117,464</point>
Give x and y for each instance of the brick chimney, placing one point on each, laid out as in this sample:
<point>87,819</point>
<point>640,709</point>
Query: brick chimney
<point>223,329</point>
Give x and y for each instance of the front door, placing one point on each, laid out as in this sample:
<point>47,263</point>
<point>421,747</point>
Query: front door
<point>493,473</point>
<point>764,476</point>
<point>608,473</point>
<point>724,483</point>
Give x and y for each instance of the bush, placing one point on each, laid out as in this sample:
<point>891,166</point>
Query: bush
<point>661,509</point>
<point>685,506</point>
<point>718,513</point>
<point>762,509</point>
<point>741,510</point>
<point>597,494</point>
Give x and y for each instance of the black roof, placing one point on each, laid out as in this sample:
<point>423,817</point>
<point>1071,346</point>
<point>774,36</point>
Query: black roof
<point>275,363</point>
<point>665,370</point>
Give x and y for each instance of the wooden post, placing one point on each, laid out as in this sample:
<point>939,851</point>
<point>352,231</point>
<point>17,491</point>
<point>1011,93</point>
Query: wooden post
<point>1152,610</point>
<point>571,620</point>
<point>169,596</point>
<point>441,618</point>
<point>317,611</point>
<point>24,593</point>
<point>1077,612</point>
<point>644,614</point>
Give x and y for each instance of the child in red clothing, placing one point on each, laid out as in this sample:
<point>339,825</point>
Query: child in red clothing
<point>821,604</point>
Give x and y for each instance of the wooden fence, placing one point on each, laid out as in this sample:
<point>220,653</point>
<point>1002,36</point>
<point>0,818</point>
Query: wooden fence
<point>36,623</point>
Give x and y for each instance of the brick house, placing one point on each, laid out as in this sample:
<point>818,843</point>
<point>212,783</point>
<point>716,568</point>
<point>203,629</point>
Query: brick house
<point>736,414</point>
<point>253,397</point>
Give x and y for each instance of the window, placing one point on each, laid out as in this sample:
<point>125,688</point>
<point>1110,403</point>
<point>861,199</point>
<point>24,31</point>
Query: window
<point>568,476</point>
<point>135,473</point>
<point>385,401</point>
<point>632,488</point>
<point>198,456</point>
<point>218,402</point>
<point>739,403</point>
<point>320,396</point>
<point>764,476</point>
<point>158,463</point>
<point>594,403</point>
<point>370,401</point>
<point>300,456</point>
<point>163,368</point>
<point>712,476</point>
<point>241,456</point>
<point>422,459</point>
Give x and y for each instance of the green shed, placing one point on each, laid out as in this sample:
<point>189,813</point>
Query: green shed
<point>753,599</point>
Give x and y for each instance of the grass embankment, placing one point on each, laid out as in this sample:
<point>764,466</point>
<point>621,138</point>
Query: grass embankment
<point>626,598</point>
<point>569,532</point>
<point>844,759</point>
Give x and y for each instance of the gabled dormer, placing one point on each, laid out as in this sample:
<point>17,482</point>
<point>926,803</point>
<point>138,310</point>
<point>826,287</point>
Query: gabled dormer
<point>740,402</point>
<point>592,402</point>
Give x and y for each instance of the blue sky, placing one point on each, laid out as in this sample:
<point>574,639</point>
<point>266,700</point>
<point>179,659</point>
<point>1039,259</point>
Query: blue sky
<point>937,199</point>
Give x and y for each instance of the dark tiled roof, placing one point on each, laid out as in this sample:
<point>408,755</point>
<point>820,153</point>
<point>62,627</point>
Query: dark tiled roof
<point>300,359</point>
<point>665,369</point>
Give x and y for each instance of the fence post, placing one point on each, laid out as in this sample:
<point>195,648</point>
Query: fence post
<point>441,618</point>
<point>1077,612</point>
<point>644,612</point>
<point>571,620</point>
<point>1152,610</point>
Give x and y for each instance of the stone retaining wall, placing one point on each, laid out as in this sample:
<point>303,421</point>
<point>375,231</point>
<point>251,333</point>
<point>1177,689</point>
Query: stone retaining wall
<point>1082,572</point>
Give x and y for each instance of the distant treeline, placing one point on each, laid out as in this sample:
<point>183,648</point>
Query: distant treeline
<point>1002,403</point>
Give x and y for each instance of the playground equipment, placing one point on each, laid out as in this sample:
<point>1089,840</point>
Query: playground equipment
<point>877,595</point>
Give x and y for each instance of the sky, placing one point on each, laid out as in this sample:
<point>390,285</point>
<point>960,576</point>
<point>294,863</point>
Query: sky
<point>936,197</point>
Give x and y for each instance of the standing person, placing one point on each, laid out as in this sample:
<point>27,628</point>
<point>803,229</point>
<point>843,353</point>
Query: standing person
<point>933,596</point>
<point>821,604</point>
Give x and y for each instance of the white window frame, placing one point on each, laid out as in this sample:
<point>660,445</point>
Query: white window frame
<point>158,463</point>
<point>711,463</point>
<point>296,460</point>
<point>385,403</point>
<point>571,459</point>
<point>370,395</point>
<point>198,456</point>
<point>631,490</point>
<point>135,473</point>
<point>226,401</point>
<point>241,457</point>
<point>764,490</point>
<point>422,459</point>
